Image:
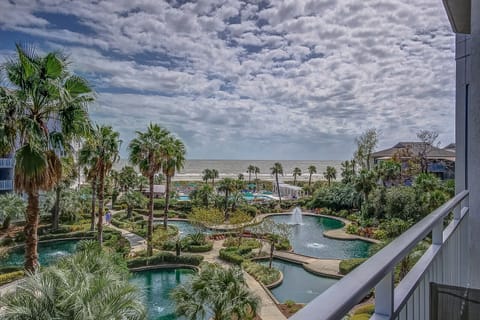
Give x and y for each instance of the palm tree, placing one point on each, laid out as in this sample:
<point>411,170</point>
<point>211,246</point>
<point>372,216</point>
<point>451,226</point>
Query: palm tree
<point>215,292</point>
<point>91,175</point>
<point>114,178</point>
<point>241,176</point>
<point>330,174</point>
<point>69,174</point>
<point>101,151</point>
<point>311,170</point>
<point>256,171</point>
<point>250,170</point>
<point>214,176</point>
<point>227,185</point>
<point>132,199</point>
<point>127,178</point>
<point>48,110</point>
<point>88,285</point>
<point>11,206</point>
<point>207,175</point>
<point>203,195</point>
<point>146,151</point>
<point>276,170</point>
<point>365,183</point>
<point>296,172</point>
<point>173,160</point>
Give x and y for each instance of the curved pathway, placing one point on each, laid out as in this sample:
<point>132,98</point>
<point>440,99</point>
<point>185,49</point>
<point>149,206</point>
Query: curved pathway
<point>322,267</point>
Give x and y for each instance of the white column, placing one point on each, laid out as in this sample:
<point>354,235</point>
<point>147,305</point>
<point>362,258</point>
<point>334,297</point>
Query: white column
<point>473,146</point>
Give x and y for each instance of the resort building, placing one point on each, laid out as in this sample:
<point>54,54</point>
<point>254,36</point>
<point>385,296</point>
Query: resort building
<point>440,162</point>
<point>158,191</point>
<point>6,174</point>
<point>288,190</point>
<point>445,282</point>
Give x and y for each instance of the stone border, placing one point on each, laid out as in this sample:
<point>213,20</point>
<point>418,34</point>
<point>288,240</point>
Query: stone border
<point>18,246</point>
<point>165,266</point>
<point>271,285</point>
<point>321,274</point>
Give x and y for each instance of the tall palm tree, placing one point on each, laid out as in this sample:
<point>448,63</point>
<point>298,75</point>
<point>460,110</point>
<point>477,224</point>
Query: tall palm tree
<point>365,183</point>
<point>48,110</point>
<point>173,160</point>
<point>250,170</point>
<point>215,175</point>
<point>296,172</point>
<point>276,170</point>
<point>206,175</point>
<point>101,151</point>
<point>330,174</point>
<point>216,293</point>
<point>256,171</point>
<point>146,151</point>
<point>228,186</point>
<point>127,178</point>
<point>91,176</point>
<point>311,170</point>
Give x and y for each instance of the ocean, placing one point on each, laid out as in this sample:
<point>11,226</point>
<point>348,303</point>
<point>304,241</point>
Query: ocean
<point>231,168</point>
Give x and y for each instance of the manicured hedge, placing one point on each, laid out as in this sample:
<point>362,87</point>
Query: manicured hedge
<point>200,248</point>
<point>9,277</point>
<point>230,255</point>
<point>262,273</point>
<point>349,264</point>
<point>165,258</point>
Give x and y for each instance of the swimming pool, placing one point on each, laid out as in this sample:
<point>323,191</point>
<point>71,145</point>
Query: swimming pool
<point>48,253</point>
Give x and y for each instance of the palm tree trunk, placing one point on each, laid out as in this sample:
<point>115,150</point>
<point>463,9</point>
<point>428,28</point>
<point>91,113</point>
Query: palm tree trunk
<point>101,192</point>
<point>56,208</point>
<point>167,200</point>
<point>309,180</point>
<point>30,230</point>
<point>150,218</point>
<point>272,248</point>
<point>278,189</point>
<point>92,213</point>
<point>226,205</point>
<point>294,180</point>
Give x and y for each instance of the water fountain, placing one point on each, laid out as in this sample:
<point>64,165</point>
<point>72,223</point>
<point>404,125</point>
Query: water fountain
<point>296,216</point>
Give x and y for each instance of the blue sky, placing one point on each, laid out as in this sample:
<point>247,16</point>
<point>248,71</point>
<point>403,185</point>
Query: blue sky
<point>235,79</point>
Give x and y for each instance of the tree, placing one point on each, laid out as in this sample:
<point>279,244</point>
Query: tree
<point>101,151</point>
<point>11,206</point>
<point>215,292</point>
<point>427,139</point>
<point>69,174</point>
<point>389,171</point>
<point>330,174</point>
<point>215,175</point>
<point>365,183</point>
<point>159,178</point>
<point>202,195</point>
<point>348,171</point>
<point>173,160</point>
<point>228,186</point>
<point>241,176</point>
<point>276,170</point>
<point>132,199</point>
<point>146,151</point>
<point>127,178</point>
<point>88,285</point>
<point>366,143</point>
<point>296,172</point>
<point>47,110</point>
<point>114,182</point>
<point>311,170</point>
<point>250,170</point>
<point>256,171</point>
<point>274,233</point>
<point>206,175</point>
<point>91,176</point>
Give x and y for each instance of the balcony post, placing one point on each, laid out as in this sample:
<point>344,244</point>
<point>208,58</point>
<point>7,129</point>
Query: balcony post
<point>384,296</point>
<point>473,146</point>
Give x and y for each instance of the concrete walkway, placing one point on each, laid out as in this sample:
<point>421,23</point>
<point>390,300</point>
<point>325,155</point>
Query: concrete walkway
<point>323,267</point>
<point>137,243</point>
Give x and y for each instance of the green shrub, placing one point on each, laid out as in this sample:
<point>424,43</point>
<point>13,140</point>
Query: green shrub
<point>290,303</point>
<point>10,269</point>
<point>262,273</point>
<point>200,248</point>
<point>349,264</point>
<point>9,277</point>
<point>165,258</point>
<point>78,234</point>
<point>368,309</point>
<point>231,256</point>
<point>284,244</point>
<point>352,229</point>
<point>380,234</point>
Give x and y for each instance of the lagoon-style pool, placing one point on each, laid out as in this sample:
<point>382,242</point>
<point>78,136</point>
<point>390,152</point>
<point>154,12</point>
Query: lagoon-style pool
<point>307,238</point>
<point>156,286</point>
<point>48,253</point>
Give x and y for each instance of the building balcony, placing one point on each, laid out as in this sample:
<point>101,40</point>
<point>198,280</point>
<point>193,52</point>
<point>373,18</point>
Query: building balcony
<point>6,185</point>
<point>444,264</point>
<point>6,163</point>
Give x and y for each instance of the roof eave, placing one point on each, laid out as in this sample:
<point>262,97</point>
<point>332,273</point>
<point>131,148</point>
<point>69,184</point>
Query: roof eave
<point>458,12</point>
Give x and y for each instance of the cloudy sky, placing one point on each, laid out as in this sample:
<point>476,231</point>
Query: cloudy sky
<point>253,79</point>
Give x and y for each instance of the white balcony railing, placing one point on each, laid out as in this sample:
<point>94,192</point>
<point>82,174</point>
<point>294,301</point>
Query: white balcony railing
<point>6,185</point>
<point>6,163</point>
<point>445,262</point>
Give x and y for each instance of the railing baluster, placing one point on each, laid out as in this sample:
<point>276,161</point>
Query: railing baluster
<point>437,233</point>
<point>384,296</point>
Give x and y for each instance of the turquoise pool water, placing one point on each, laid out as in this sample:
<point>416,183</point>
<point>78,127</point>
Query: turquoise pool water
<point>183,198</point>
<point>185,227</point>
<point>298,285</point>
<point>48,253</point>
<point>307,238</point>
<point>156,286</point>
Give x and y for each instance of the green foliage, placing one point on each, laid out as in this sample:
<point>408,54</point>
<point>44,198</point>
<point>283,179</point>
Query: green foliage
<point>231,255</point>
<point>220,293</point>
<point>352,228</point>
<point>11,206</point>
<point>261,272</point>
<point>10,277</point>
<point>207,217</point>
<point>394,227</point>
<point>88,285</point>
<point>349,264</point>
<point>165,258</point>
<point>336,197</point>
